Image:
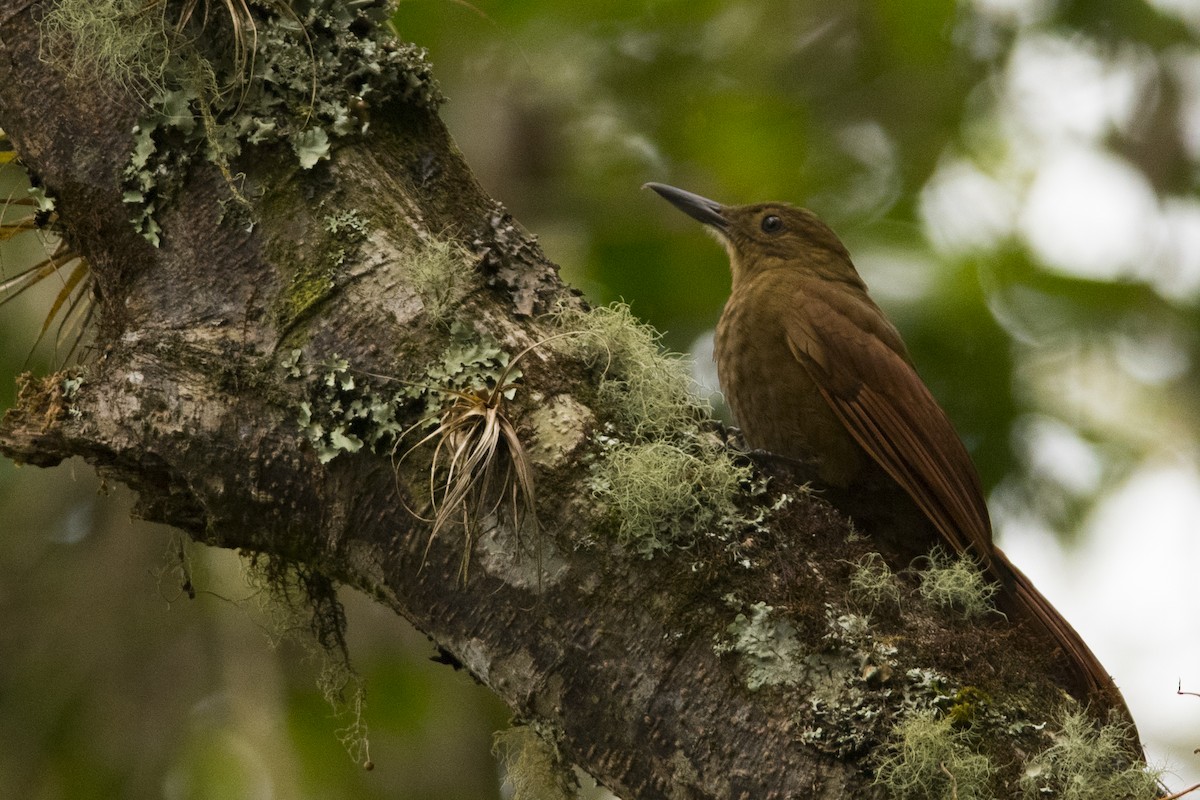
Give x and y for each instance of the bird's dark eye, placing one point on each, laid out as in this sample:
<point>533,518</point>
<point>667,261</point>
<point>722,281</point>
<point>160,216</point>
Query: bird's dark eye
<point>772,224</point>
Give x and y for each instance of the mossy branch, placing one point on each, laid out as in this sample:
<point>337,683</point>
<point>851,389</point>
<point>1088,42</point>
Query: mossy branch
<point>691,631</point>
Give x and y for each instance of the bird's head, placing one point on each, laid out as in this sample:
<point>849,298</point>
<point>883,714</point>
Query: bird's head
<point>767,236</point>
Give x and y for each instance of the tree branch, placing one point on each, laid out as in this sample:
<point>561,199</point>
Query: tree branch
<point>236,384</point>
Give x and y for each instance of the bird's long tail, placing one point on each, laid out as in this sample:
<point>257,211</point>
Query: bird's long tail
<point>1032,604</point>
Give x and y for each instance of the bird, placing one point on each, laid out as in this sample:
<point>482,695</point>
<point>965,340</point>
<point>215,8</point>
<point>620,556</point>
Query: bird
<point>813,370</point>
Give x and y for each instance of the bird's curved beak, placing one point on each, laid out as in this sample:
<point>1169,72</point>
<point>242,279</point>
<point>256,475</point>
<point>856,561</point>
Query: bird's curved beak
<point>710,212</point>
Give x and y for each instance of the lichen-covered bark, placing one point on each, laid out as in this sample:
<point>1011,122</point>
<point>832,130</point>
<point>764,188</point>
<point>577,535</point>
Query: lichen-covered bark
<point>223,387</point>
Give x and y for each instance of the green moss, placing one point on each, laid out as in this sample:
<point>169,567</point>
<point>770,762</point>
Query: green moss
<point>929,759</point>
<point>969,705</point>
<point>309,284</point>
<point>312,279</point>
<point>661,495</point>
<point>1088,762</point>
<point>533,766</point>
<point>956,583</point>
<point>872,583</point>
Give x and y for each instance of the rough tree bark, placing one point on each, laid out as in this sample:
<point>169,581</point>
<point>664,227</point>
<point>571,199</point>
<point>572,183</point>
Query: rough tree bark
<point>739,665</point>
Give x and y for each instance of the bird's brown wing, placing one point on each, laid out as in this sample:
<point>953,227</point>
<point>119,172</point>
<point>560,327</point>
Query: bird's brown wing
<point>858,362</point>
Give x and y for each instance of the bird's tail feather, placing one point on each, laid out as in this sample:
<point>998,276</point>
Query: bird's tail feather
<point>1033,605</point>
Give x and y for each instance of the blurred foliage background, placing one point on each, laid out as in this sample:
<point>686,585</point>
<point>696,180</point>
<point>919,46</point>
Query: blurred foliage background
<point>1017,181</point>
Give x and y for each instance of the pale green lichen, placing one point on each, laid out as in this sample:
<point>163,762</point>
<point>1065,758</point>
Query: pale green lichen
<point>1088,761</point>
<point>768,645</point>
<point>533,766</point>
<point>311,146</point>
<point>855,694</point>
<point>929,759</point>
<point>662,495</point>
<point>299,603</point>
<point>873,584</point>
<point>660,476</point>
<point>346,231</point>
<point>441,273</point>
<point>957,583</point>
<point>347,411</point>
<point>340,418</point>
<point>125,42</point>
<point>646,393</point>
<point>153,173</point>
<point>478,472</point>
<point>71,384</point>
<point>850,688</point>
<point>45,203</point>
<point>313,76</point>
<point>471,362</point>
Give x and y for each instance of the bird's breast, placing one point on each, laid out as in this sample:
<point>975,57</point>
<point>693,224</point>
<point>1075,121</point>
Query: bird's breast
<point>774,401</point>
